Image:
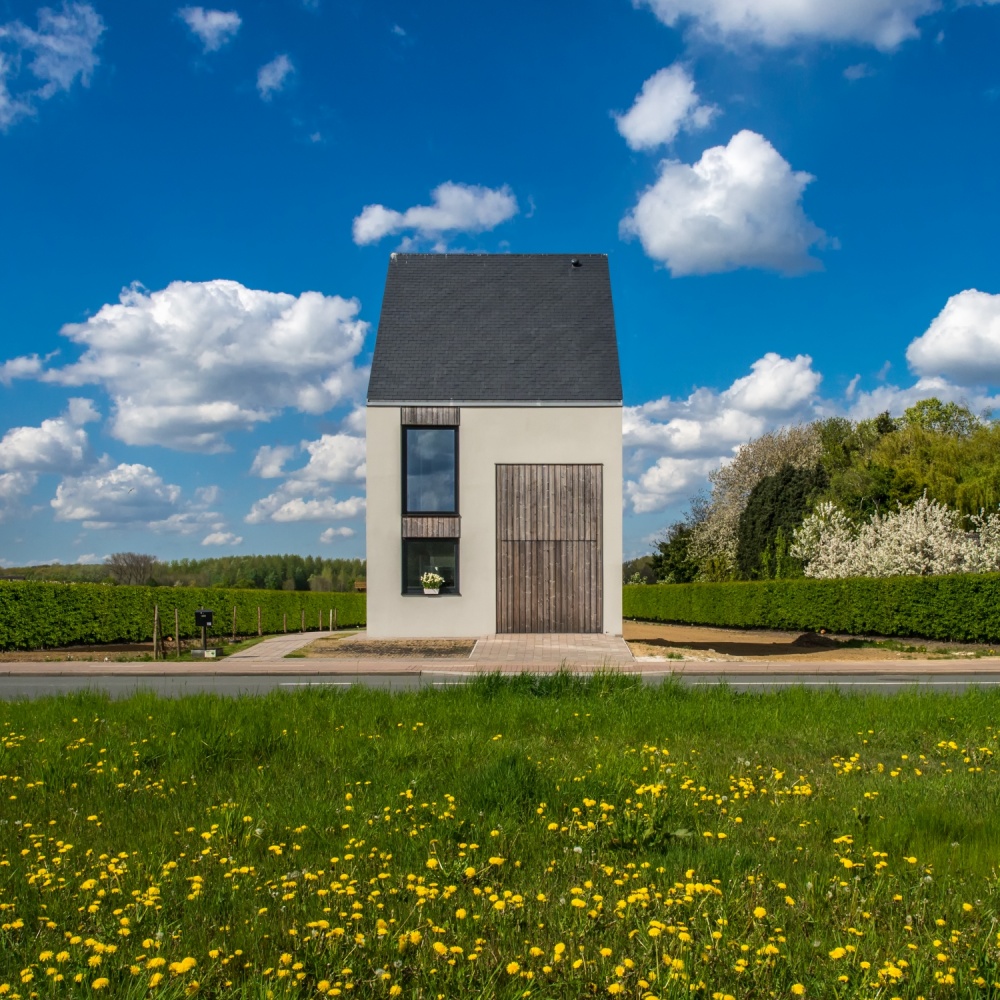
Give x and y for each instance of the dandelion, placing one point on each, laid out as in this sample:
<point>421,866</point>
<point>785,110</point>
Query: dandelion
<point>513,968</point>
<point>798,990</point>
<point>99,984</point>
<point>759,912</point>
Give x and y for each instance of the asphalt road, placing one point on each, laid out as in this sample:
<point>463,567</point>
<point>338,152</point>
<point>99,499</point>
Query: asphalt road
<point>19,688</point>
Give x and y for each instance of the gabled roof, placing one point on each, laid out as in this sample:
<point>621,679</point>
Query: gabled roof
<point>496,328</point>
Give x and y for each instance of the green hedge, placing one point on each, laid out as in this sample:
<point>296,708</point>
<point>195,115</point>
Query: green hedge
<point>45,615</point>
<point>963,608</point>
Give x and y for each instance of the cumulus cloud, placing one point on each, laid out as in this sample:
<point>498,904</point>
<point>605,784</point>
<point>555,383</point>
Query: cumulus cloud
<point>186,365</point>
<point>14,487</point>
<point>62,50</point>
<point>27,366</point>
<point>271,77</point>
<point>269,462</point>
<point>57,445</point>
<point>963,341</point>
<point>885,24</point>
<point>213,28</point>
<point>455,208</point>
<point>738,206</point>
<point>305,495</point>
<point>126,494</point>
<point>222,538</point>
<point>131,496</point>
<point>332,534</point>
<point>276,508</point>
<point>672,444</point>
<point>666,104</point>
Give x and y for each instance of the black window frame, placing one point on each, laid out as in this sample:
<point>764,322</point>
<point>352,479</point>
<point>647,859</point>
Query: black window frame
<point>454,591</point>
<point>403,456</point>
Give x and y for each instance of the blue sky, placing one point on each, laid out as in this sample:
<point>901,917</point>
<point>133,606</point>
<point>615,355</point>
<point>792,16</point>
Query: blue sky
<point>799,201</point>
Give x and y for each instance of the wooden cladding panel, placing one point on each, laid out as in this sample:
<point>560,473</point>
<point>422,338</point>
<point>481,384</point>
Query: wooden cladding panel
<point>429,416</point>
<point>549,548</point>
<point>432,527</point>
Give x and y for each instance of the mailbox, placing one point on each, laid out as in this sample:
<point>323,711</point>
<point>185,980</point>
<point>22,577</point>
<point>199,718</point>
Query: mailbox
<point>203,619</point>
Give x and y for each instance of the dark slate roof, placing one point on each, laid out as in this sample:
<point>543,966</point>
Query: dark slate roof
<point>496,327</point>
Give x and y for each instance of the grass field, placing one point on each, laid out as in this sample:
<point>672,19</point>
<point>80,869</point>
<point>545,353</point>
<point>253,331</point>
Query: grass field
<point>528,837</point>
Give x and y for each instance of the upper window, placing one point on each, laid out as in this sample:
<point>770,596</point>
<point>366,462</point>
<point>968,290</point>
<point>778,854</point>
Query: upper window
<point>430,471</point>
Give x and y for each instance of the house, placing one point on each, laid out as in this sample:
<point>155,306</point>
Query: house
<point>494,447</point>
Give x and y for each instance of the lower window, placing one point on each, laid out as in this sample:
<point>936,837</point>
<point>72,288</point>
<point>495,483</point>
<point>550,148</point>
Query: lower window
<point>430,555</point>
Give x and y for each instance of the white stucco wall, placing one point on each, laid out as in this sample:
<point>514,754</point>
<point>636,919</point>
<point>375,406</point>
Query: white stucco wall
<point>488,436</point>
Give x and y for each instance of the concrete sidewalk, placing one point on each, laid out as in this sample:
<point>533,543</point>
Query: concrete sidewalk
<point>506,654</point>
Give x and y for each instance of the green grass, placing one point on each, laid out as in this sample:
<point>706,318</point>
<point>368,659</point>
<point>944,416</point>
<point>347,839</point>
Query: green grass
<point>533,836</point>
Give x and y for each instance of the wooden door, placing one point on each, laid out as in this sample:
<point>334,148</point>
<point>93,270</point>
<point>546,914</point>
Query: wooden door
<point>549,548</point>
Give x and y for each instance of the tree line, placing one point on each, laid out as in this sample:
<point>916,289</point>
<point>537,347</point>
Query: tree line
<point>926,481</point>
<point>264,572</point>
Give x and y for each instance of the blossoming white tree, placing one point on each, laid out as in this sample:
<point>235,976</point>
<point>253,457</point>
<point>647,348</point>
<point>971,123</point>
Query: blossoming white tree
<point>924,539</point>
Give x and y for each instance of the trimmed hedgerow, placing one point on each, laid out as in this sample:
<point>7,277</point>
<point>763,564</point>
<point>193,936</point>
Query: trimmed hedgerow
<point>961,608</point>
<point>47,615</point>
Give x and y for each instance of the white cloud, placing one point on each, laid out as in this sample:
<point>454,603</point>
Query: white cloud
<point>334,458</point>
<point>884,24</point>
<point>131,496</point>
<point>775,385</point>
<point>14,487</point>
<point>667,104</point>
<point>332,534</point>
<point>126,494</point>
<point>667,481</point>
<point>963,341</point>
<point>276,508</point>
<point>305,494</point>
<point>271,76</point>
<point>212,27</point>
<point>62,50</point>
<point>672,444</point>
<point>465,208</point>
<point>57,445</point>
<point>738,206</point>
<point>269,462</point>
<point>27,366</point>
<point>208,495</point>
<point>186,365</point>
<point>222,538</point>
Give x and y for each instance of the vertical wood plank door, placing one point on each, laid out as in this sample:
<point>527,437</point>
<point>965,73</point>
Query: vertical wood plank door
<point>549,548</point>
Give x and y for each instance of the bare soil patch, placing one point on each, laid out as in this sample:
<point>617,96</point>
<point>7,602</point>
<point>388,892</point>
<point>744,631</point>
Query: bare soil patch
<point>701,642</point>
<point>387,648</point>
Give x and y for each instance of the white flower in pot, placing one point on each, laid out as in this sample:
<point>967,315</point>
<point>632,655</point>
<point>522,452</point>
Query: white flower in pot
<point>431,582</point>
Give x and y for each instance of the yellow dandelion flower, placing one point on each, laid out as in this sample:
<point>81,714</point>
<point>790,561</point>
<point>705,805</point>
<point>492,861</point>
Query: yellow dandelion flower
<point>99,984</point>
<point>798,990</point>
<point>513,968</point>
<point>759,912</point>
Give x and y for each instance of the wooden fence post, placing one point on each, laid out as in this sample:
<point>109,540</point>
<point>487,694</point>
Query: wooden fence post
<point>331,619</point>
<point>303,626</point>
<point>177,632</point>
<point>284,621</point>
<point>259,632</point>
<point>234,624</point>
<point>156,631</point>
<point>319,625</point>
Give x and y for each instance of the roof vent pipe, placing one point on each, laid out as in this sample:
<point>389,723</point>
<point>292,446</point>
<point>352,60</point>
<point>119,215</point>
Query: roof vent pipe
<point>575,261</point>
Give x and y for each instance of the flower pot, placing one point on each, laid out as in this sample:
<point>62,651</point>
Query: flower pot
<point>432,590</point>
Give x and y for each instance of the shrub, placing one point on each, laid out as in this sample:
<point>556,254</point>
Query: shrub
<point>962,608</point>
<point>45,615</point>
